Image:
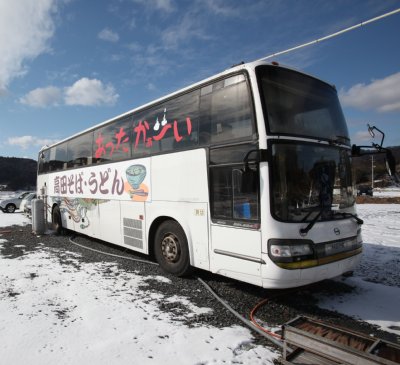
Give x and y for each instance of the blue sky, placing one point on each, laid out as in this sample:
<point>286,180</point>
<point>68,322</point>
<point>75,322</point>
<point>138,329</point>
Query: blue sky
<point>66,65</point>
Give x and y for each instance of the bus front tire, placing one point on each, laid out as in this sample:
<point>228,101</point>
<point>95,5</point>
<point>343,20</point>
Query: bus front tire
<point>171,248</point>
<point>56,219</point>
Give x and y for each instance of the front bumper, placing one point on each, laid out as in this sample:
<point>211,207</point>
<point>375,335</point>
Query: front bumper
<point>276,277</point>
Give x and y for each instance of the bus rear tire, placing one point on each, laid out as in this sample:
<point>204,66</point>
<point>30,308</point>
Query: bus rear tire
<point>56,220</point>
<point>171,249</point>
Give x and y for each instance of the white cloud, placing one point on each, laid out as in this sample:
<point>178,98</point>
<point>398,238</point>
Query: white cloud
<point>90,92</point>
<point>86,92</point>
<point>29,141</point>
<point>186,30</point>
<point>151,86</point>
<point>108,35</point>
<point>382,95</point>
<point>42,97</point>
<point>134,46</point>
<point>25,30</point>
<point>116,57</point>
<point>163,5</point>
<point>219,7</point>
<point>361,137</point>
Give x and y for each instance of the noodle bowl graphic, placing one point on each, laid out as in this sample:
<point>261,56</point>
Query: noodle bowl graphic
<point>135,175</point>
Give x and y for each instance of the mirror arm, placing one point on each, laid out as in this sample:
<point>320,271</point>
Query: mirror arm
<point>249,176</point>
<point>357,151</point>
<point>262,156</point>
<point>372,134</point>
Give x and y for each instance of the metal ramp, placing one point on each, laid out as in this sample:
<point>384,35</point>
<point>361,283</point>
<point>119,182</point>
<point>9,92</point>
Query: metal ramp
<point>308,341</point>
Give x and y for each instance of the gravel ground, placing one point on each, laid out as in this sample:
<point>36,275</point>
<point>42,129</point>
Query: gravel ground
<point>282,305</point>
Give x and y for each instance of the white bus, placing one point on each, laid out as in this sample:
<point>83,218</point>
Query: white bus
<point>246,174</point>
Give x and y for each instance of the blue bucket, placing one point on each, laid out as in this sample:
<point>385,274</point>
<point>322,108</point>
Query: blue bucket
<point>242,210</point>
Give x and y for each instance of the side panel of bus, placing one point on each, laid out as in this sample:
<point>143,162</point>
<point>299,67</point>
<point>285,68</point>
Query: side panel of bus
<point>236,253</point>
<point>179,190</point>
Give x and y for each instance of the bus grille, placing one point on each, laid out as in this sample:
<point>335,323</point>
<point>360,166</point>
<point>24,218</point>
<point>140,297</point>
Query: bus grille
<point>133,232</point>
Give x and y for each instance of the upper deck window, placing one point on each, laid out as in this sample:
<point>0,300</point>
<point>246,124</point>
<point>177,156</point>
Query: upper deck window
<point>112,142</point>
<point>79,151</point>
<point>226,111</point>
<point>168,126</point>
<point>300,105</point>
<point>58,157</point>
<point>216,114</point>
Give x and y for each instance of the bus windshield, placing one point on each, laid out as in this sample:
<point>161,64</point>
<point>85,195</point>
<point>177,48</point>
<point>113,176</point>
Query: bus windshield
<point>309,180</point>
<point>300,105</point>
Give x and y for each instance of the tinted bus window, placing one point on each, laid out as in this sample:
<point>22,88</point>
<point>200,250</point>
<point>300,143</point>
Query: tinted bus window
<point>184,114</point>
<point>226,111</point>
<point>44,160</point>
<point>80,150</point>
<point>222,192</point>
<point>227,199</point>
<point>231,154</point>
<point>300,105</point>
<point>170,126</point>
<point>58,157</point>
<point>113,141</point>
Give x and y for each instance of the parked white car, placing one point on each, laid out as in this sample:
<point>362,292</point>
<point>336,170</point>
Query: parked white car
<point>28,208</point>
<point>28,198</point>
<point>10,205</point>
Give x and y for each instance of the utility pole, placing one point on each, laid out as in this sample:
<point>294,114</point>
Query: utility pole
<point>372,171</point>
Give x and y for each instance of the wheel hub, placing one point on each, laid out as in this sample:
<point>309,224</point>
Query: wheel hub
<point>170,248</point>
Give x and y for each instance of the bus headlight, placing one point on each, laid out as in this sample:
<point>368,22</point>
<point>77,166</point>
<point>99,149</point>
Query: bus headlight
<point>283,250</point>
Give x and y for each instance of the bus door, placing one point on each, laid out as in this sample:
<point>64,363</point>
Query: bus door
<point>235,227</point>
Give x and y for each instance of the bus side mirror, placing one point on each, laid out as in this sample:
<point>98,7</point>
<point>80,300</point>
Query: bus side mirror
<point>249,176</point>
<point>357,151</point>
<point>249,180</point>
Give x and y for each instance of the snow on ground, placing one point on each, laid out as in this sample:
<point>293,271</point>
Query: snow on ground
<point>50,313</point>
<point>371,302</point>
<point>387,192</point>
<point>97,314</point>
<point>16,218</point>
<point>376,298</point>
<point>65,315</point>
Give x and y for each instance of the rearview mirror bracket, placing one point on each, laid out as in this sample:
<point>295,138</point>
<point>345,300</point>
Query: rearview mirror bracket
<point>374,149</point>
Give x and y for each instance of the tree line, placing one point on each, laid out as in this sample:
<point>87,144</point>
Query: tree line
<point>18,173</point>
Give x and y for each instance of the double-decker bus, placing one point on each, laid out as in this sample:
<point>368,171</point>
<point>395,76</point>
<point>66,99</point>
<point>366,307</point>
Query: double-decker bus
<point>246,174</point>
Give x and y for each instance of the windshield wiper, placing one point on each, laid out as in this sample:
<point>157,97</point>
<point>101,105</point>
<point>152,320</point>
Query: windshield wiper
<point>351,215</point>
<point>304,231</point>
<point>310,211</point>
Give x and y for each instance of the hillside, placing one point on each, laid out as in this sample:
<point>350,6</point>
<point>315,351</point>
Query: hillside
<point>18,173</point>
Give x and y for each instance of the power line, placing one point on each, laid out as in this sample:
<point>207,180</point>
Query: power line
<point>331,35</point>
